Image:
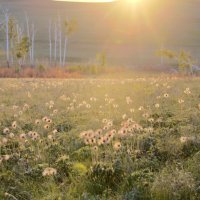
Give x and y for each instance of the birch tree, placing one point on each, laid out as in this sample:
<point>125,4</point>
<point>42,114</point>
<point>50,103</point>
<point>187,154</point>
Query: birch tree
<point>6,14</point>
<point>60,40</point>
<point>33,45</point>
<point>12,27</point>
<point>29,37</point>
<point>55,43</point>
<point>50,42</point>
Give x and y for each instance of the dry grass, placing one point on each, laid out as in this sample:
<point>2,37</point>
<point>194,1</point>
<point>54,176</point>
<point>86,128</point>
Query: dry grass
<point>29,72</point>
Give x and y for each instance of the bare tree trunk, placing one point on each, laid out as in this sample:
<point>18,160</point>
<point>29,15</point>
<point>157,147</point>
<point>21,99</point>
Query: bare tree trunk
<point>50,44</point>
<point>29,37</point>
<point>55,44</point>
<point>7,39</point>
<point>60,37</point>
<point>33,45</point>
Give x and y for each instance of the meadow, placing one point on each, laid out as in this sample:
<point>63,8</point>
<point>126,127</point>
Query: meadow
<point>92,139</point>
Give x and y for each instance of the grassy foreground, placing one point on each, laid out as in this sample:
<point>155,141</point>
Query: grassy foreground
<point>105,139</point>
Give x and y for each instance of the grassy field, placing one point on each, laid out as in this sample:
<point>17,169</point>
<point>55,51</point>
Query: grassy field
<point>93,139</point>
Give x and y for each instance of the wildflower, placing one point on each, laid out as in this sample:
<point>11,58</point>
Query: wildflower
<point>180,101</point>
<point>51,102</point>
<point>158,97</point>
<point>110,135</point>
<point>55,111</point>
<point>117,146</point>
<point>105,140</point>
<point>50,107</point>
<point>166,95</point>
<point>184,139</point>
<point>14,125</point>
<point>88,106</point>
<point>44,119</point>
<point>122,132</point>
<point>37,121</point>
<point>92,141</point>
<point>15,107</point>
<point>11,135</point>
<point>187,91</point>
<point>50,137</point>
<point>49,121</point>
<point>29,94</point>
<point>104,121</point>
<point>115,105</point>
<point>6,130</point>
<point>83,134</point>
<point>46,126</point>
<point>25,107</point>
<point>6,157</point>
<point>130,120</point>
<point>128,100</point>
<point>87,141</point>
<point>49,172</point>
<point>145,115</point>
<point>113,131</point>
<point>22,136</point>
<point>1,160</point>
<point>110,124</point>
<point>105,127</point>
<point>55,131</point>
<point>124,116</point>
<point>149,130</point>
<point>151,120</point>
<point>98,132</point>
<point>95,148</point>
<point>141,108</point>
<point>100,140</point>
<point>157,105</point>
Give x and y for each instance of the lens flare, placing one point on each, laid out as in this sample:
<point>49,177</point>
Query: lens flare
<point>87,1</point>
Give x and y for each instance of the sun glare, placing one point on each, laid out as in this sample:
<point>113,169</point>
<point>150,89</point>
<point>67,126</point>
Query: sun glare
<point>87,1</point>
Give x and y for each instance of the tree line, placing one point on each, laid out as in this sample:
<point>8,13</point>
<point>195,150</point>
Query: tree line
<point>18,41</point>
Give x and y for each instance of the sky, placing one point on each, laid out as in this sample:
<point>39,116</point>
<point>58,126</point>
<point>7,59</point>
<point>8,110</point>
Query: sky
<point>87,1</point>
<point>126,29</point>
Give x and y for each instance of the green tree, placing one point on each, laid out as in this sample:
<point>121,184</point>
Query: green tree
<point>70,27</point>
<point>12,36</point>
<point>184,59</point>
<point>22,50</point>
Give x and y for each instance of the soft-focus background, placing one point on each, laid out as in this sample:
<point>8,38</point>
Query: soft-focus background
<point>129,34</point>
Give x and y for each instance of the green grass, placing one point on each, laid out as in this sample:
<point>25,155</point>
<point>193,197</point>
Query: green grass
<point>152,153</point>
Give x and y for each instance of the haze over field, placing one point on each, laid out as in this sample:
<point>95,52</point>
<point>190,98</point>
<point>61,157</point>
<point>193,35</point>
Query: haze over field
<point>99,99</point>
<point>129,34</point>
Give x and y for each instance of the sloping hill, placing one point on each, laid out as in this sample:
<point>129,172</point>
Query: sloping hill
<point>128,34</point>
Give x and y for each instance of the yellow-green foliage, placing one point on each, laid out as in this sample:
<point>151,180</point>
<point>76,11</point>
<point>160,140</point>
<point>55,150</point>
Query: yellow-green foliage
<point>134,138</point>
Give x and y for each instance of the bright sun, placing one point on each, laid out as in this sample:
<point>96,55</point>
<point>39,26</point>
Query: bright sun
<point>102,1</point>
<point>87,1</point>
